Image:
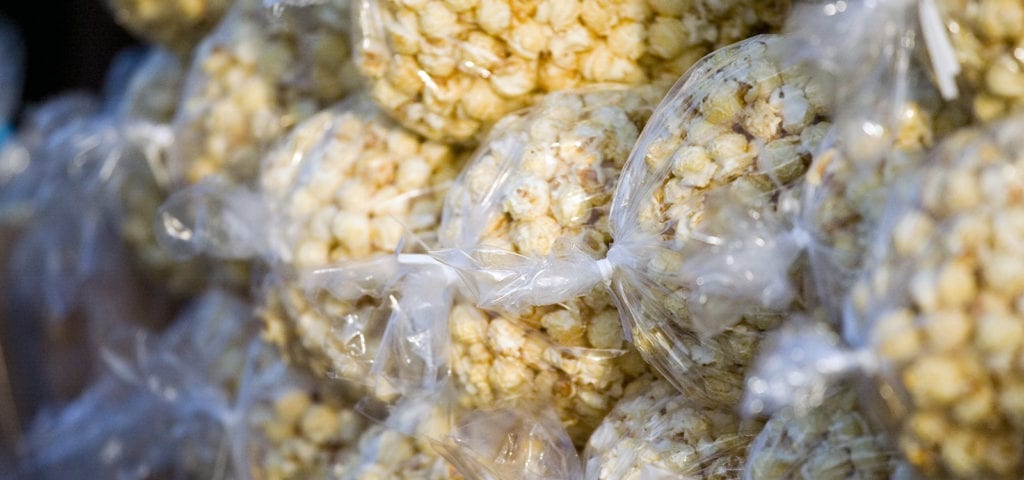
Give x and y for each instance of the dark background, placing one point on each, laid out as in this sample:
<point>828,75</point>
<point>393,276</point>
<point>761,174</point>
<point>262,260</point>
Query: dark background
<point>69,44</point>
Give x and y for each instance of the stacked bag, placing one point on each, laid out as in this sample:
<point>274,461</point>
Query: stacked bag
<point>555,239</point>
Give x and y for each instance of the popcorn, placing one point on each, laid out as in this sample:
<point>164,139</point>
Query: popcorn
<point>253,79</point>
<point>385,452</point>
<point>654,432</point>
<point>348,184</point>
<point>175,24</point>
<point>143,116</point>
<point>542,182</point>
<point>450,70</point>
<point>941,316</point>
<point>834,440</point>
<point>306,434</point>
<point>521,358</point>
<point>985,35</point>
<point>711,182</point>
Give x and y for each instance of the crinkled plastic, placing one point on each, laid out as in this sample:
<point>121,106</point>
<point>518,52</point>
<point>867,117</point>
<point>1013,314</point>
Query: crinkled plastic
<point>338,195</point>
<point>404,445</point>
<point>507,443</point>
<point>834,441</point>
<point>931,324</point>
<point>169,406</point>
<point>153,89</point>
<point>255,77</point>
<point>541,184</point>
<point>705,252</point>
<point>896,94</point>
<point>654,432</point>
<point>451,70</point>
<point>24,161</point>
<point>175,24</point>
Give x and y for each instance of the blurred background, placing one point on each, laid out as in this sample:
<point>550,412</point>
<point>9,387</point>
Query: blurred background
<point>69,44</point>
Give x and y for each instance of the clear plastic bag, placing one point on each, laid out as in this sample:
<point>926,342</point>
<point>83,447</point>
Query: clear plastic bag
<point>655,432</point>
<point>153,89</point>
<point>512,442</point>
<point>175,24</point>
<point>541,185</point>
<point>705,252</point>
<point>892,102</point>
<point>451,70</point>
<point>932,320</point>
<point>255,77</point>
<point>834,441</point>
<point>24,163</point>
<point>167,406</point>
<point>337,198</point>
<point>404,445</point>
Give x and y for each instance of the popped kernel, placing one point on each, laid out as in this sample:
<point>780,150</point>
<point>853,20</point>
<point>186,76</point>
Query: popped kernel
<point>958,382</point>
<point>527,49</point>
<point>258,80</point>
<point>375,183</point>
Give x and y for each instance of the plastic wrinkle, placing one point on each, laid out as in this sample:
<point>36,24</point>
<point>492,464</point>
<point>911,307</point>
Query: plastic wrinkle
<point>214,218</point>
<point>799,366</point>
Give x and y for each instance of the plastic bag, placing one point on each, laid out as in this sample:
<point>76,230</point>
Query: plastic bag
<point>24,164</point>
<point>511,442</point>
<point>255,77</point>
<point>404,445</point>
<point>450,71</point>
<point>153,89</point>
<point>654,432</point>
<point>166,405</point>
<point>833,441</point>
<point>931,321</point>
<point>307,432</point>
<point>341,192</point>
<point>705,255</point>
<point>176,24</point>
<point>541,183</point>
<point>892,102</point>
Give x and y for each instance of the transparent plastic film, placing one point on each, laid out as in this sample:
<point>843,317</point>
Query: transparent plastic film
<point>450,71</point>
<point>707,215</point>
<point>656,432</point>
<point>833,441</point>
<point>350,188</point>
<point>511,441</point>
<point>402,445</point>
<point>388,319</point>
<point>896,94</point>
<point>935,306</point>
<point>252,80</point>
<point>168,404</point>
<point>24,164</point>
<point>526,221</point>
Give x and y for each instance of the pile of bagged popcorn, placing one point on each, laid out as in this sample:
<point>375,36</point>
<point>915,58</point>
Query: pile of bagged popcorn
<point>553,239</point>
